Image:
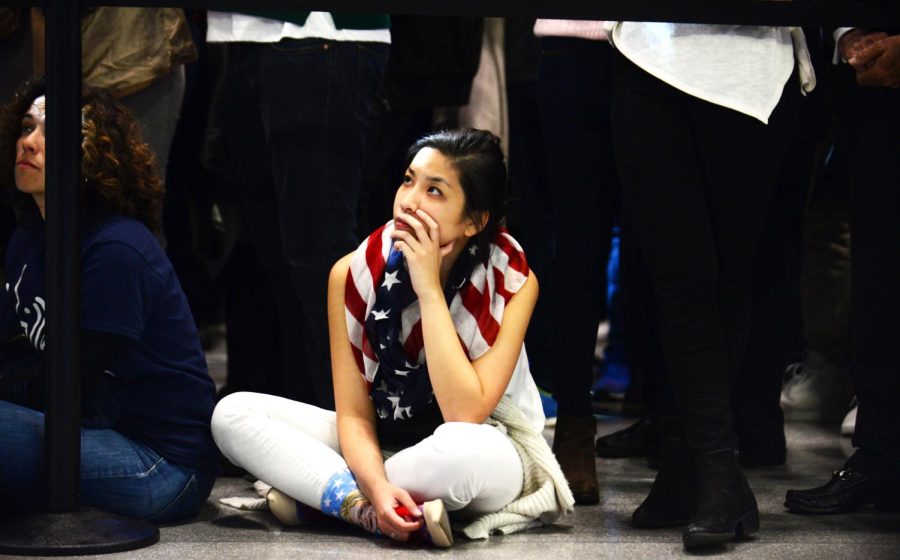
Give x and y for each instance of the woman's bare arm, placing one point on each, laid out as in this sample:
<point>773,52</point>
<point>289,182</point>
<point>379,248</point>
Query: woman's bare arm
<point>356,417</point>
<point>469,391</point>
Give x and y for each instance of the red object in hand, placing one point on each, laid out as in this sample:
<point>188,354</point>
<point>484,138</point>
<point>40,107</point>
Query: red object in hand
<point>403,512</point>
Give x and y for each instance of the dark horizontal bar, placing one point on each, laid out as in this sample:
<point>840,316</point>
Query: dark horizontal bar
<point>817,13</point>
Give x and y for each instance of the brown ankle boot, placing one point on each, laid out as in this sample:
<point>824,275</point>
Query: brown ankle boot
<point>573,445</point>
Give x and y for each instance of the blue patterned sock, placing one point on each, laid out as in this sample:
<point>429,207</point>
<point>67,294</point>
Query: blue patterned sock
<point>342,499</point>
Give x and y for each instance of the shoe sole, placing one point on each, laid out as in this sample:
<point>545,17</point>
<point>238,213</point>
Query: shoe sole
<point>437,522</point>
<point>748,524</point>
<point>794,507</point>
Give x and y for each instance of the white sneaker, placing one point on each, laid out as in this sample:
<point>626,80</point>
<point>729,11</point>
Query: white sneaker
<point>602,340</point>
<point>815,390</point>
<point>848,426</point>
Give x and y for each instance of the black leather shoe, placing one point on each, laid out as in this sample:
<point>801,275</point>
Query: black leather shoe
<point>848,490</point>
<point>727,507</point>
<point>638,440</point>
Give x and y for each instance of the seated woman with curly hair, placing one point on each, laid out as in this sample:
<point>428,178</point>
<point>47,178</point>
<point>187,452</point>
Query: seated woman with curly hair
<point>146,447</point>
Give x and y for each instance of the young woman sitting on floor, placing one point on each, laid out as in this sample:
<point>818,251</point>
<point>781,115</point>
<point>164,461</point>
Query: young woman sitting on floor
<point>436,407</point>
<point>147,399</point>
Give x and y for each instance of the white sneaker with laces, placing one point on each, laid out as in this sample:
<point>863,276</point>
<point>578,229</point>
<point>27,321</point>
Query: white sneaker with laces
<point>815,390</point>
<point>848,426</point>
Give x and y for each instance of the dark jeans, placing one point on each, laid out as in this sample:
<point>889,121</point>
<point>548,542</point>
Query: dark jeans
<point>529,215</point>
<point>697,179</point>
<point>297,113</point>
<point>573,98</point>
<point>870,140</point>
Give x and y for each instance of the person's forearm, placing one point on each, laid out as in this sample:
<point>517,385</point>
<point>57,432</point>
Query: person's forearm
<point>457,387</point>
<point>359,447</point>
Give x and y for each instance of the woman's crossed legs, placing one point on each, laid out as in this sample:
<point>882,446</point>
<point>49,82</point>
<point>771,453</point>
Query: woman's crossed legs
<point>293,446</point>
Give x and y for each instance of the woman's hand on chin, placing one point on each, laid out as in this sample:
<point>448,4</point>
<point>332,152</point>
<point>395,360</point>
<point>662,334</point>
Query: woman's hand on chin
<point>386,497</point>
<point>423,252</point>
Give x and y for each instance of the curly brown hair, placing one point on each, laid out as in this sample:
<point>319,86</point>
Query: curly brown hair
<point>118,170</point>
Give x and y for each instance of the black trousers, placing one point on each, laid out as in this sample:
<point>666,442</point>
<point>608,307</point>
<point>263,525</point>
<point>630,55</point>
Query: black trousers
<point>870,140</point>
<point>697,179</point>
<point>573,100</point>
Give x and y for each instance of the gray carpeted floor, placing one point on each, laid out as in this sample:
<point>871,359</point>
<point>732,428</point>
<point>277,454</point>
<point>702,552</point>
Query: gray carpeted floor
<point>600,531</point>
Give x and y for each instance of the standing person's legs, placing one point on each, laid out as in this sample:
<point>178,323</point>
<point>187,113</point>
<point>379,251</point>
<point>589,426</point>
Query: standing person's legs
<point>315,130</point>
<point>663,190</point>
<point>581,172</point>
<point>156,108</point>
<point>251,152</point>
<point>529,215</point>
<point>756,392</point>
<point>871,117</point>
<point>740,176</point>
<point>698,205</point>
<point>117,474</point>
<point>662,185</point>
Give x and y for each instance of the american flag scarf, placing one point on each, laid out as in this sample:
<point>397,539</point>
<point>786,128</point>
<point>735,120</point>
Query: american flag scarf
<point>384,320</point>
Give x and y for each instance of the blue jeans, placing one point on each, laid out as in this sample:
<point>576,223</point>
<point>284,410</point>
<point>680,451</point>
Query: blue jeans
<point>117,474</point>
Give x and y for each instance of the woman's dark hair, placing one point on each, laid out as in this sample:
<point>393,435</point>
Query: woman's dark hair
<point>118,170</point>
<point>478,160</point>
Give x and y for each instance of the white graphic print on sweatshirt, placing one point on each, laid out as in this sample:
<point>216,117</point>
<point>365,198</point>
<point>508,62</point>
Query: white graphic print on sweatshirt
<point>35,313</point>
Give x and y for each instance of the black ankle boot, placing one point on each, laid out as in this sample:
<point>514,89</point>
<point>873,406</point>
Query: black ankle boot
<point>726,506</point>
<point>672,501</point>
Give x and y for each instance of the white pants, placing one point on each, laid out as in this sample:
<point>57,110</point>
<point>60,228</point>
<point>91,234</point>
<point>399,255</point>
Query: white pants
<point>293,446</point>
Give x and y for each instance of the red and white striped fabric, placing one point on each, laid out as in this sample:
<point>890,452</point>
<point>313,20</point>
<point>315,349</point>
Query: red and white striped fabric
<point>477,309</point>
